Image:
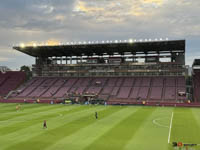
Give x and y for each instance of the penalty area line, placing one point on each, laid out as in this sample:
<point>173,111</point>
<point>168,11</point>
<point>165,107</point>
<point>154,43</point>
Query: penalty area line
<point>170,127</point>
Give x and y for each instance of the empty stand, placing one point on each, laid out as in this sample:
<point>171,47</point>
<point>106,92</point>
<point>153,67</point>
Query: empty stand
<point>10,81</point>
<point>127,88</point>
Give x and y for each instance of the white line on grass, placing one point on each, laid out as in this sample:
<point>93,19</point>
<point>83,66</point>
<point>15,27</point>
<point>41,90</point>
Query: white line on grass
<point>170,127</point>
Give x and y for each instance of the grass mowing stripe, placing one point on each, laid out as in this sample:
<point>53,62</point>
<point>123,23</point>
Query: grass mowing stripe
<point>16,126</point>
<point>5,105</point>
<point>13,113</point>
<point>64,129</point>
<point>185,127</point>
<point>36,129</point>
<point>120,134</point>
<point>12,108</point>
<point>151,136</point>
<point>26,113</point>
<point>89,134</point>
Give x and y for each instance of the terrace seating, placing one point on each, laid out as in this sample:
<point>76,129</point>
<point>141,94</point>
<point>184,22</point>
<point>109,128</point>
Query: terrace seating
<point>122,88</point>
<point>196,86</point>
<point>156,93</point>
<point>10,81</point>
<point>124,92</point>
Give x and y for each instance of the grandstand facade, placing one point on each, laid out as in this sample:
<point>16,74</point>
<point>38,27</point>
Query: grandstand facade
<point>114,72</point>
<point>196,79</point>
<point>109,60</point>
<point>126,72</point>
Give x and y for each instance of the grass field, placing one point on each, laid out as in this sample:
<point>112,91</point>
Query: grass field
<point>74,127</point>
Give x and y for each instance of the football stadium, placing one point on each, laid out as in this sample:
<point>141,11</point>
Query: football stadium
<point>112,95</point>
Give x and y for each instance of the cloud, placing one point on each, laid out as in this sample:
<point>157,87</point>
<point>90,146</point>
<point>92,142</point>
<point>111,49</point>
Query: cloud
<point>87,20</point>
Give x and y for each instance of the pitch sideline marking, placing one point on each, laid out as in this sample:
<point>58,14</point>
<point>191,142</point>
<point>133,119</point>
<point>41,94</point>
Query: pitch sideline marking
<point>170,127</point>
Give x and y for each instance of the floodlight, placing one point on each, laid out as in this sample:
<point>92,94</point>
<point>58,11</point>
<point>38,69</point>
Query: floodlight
<point>116,41</point>
<point>34,45</point>
<point>130,40</point>
<point>22,45</point>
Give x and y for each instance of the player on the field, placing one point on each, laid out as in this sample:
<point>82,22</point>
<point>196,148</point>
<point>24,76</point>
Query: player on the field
<point>96,115</point>
<point>45,124</point>
<point>18,107</point>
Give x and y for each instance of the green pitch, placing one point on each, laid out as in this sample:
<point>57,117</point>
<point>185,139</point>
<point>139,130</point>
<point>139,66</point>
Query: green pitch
<point>74,127</point>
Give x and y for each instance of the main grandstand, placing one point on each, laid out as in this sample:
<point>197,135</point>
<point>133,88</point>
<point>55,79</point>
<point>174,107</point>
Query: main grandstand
<point>116,72</point>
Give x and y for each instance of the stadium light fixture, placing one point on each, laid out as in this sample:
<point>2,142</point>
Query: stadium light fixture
<point>102,41</point>
<point>34,45</point>
<point>167,39</point>
<point>161,39</point>
<point>107,41</point>
<point>130,40</point>
<point>22,45</point>
<point>140,40</point>
<point>84,42</point>
<point>156,39</point>
<point>145,40</point>
<point>149,39</point>
<point>135,40</point>
<point>110,41</point>
<point>125,41</point>
<point>116,41</point>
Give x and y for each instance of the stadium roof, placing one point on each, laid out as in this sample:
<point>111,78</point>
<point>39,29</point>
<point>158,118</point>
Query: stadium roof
<point>104,48</point>
<point>196,62</point>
